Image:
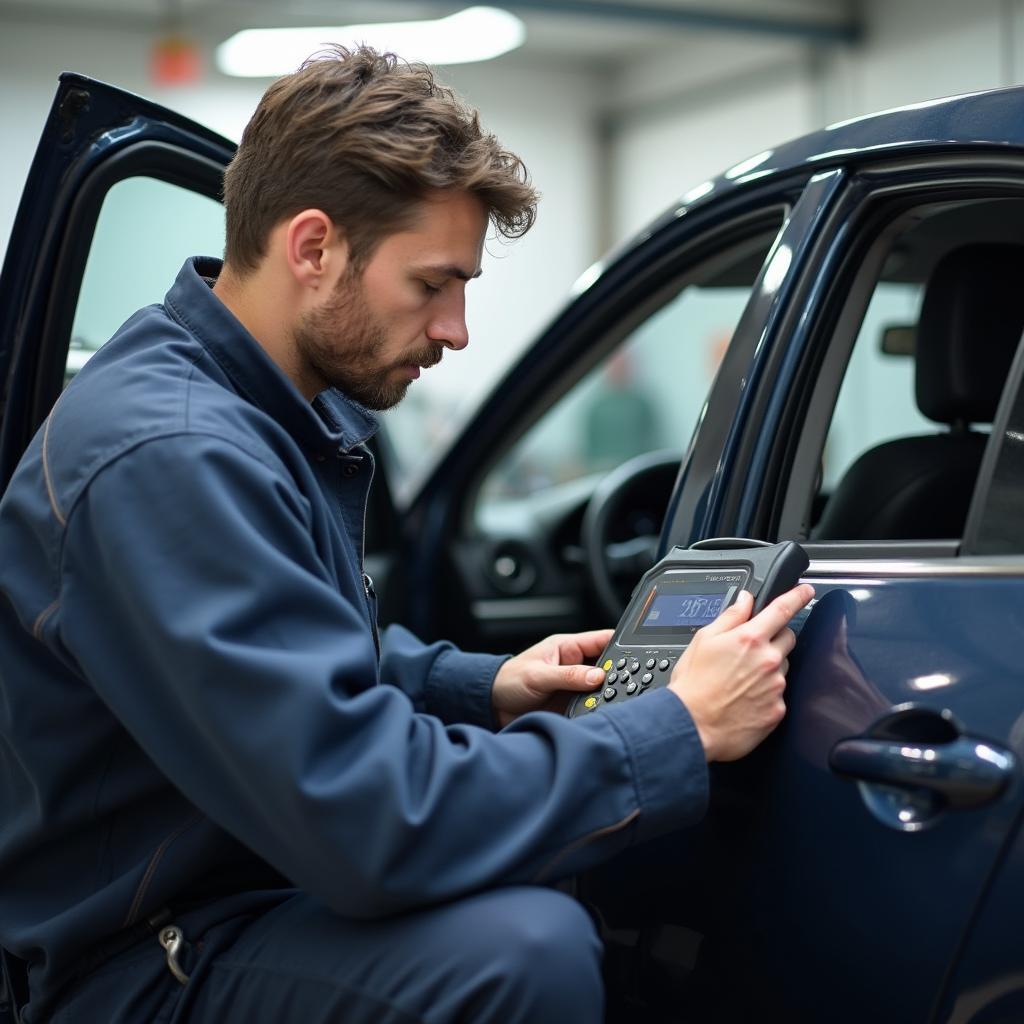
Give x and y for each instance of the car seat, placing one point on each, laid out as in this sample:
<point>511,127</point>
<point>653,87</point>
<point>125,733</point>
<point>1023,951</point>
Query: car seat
<point>920,487</point>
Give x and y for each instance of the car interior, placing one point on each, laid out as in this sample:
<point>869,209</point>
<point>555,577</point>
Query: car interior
<point>921,486</point>
<point>917,432</point>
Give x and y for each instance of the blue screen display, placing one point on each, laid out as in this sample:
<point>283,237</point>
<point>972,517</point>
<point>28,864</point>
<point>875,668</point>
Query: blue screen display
<point>671,610</point>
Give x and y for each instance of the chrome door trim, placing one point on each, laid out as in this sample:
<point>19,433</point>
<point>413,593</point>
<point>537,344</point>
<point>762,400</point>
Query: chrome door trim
<point>883,567</point>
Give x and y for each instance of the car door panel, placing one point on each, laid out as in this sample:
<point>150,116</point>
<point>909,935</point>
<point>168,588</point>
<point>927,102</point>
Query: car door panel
<point>820,876</point>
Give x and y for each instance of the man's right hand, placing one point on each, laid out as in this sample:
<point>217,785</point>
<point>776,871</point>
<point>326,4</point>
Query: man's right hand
<point>732,677</point>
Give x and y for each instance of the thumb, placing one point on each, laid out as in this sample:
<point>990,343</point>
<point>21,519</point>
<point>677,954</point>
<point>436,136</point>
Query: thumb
<point>735,615</point>
<point>568,677</point>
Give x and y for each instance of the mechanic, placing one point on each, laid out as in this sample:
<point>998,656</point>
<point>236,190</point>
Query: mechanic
<point>225,798</point>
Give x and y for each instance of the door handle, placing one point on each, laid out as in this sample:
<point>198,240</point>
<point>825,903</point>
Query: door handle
<point>916,763</point>
<point>964,772</point>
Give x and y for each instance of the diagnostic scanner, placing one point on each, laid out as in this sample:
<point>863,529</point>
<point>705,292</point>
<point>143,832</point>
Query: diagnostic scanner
<point>686,590</point>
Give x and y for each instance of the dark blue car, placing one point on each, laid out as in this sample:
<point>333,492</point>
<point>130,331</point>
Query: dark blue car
<point>856,300</point>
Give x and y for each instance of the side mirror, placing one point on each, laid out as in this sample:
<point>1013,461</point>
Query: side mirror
<point>898,340</point>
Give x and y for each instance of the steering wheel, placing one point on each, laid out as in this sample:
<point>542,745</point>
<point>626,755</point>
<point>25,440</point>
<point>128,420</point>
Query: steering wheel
<point>619,551</point>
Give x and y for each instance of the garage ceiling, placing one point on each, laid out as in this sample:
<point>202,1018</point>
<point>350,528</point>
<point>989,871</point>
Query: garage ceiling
<point>600,32</point>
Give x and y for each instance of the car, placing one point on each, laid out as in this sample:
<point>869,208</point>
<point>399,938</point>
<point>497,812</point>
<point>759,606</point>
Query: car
<point>820,345</point>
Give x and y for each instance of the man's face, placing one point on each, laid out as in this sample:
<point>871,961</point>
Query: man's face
<point>371,337</point>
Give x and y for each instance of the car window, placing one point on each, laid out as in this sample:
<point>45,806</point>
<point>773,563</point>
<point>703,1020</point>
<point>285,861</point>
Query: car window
<point>146,229</point>
<point>646,395</point>
<point>934,319</point>
<point>876,402</point>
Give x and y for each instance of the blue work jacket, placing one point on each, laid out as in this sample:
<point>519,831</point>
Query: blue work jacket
<point>193,700</point>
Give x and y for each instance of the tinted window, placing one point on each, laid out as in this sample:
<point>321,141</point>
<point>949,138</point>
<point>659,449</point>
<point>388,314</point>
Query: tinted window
<point>939,321</point>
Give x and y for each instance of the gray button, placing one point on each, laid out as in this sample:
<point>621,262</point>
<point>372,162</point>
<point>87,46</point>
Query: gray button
<point>650,664</point>
<point>632,688</point>
<point>663,664</point>
<point>646,679</point>
<point>612,677</point>
<point>610,692</point>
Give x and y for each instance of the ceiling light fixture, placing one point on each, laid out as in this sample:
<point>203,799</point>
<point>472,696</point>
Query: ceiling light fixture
<point>474,34</point>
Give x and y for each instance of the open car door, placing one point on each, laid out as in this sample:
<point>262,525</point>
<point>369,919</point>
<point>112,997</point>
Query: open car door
<point>120,192</point>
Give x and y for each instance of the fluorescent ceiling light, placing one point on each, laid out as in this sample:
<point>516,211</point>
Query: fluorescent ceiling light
<point>475,34</point>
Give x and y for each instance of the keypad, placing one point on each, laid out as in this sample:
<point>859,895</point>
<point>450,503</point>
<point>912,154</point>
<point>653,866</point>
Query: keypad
<point>628,677</point>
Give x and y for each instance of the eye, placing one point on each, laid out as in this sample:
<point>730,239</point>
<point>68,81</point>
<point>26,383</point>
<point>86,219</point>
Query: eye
<point>432,289</point>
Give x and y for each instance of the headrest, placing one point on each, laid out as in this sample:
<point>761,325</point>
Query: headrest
<point>971,322</point>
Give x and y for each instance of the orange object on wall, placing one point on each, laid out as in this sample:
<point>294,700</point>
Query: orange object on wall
<point>175,60</point>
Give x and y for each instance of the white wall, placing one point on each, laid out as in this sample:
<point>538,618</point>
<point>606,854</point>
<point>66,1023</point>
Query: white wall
<point>921,49</point>
<point>691,113</point>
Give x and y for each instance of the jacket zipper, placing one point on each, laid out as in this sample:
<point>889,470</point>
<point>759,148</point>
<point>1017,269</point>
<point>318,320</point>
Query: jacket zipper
<point>367,582</point>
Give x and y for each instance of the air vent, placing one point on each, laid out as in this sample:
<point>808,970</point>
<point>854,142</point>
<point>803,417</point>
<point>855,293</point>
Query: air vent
<point>512,568</point>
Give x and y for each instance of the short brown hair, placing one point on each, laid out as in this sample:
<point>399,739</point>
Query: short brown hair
<point>365,137</point>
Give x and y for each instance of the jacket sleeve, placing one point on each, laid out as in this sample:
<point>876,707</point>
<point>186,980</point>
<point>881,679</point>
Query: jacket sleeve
<point>440,679</point>
<point>196,605</point>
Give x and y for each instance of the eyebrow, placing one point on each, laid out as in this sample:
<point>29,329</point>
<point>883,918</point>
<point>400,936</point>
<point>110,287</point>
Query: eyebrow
<point>451,270</point>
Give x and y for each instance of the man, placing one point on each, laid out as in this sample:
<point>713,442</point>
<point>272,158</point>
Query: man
<point>225,798</point>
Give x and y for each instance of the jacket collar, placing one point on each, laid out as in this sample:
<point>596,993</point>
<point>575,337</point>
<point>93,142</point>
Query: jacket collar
<point>331,422</point>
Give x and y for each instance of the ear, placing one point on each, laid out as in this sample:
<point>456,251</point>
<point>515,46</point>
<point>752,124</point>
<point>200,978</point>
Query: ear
<point>316,252</point>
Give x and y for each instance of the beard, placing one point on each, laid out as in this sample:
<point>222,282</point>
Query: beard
<point>342,345</point>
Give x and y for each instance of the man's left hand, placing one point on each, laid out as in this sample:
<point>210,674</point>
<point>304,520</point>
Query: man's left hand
<point>546,675</point>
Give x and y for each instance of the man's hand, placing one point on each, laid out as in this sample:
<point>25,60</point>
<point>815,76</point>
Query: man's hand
<point>733,675</point>
<point>545,676</point>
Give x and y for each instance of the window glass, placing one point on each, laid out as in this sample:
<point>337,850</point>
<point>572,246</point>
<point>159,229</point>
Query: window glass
<point>923,380</point>
<point>876,401</point>
<point>646,395</point>
<point>146,229</point>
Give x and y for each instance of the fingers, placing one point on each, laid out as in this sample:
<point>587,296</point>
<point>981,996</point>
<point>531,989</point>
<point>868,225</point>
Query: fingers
<point>570,648</point>
<point>773,619</point>
<point>593,642</point>
<point>736,614</point>
<point>575,647</point>
<point>784,641</point>
<point>549,678</point>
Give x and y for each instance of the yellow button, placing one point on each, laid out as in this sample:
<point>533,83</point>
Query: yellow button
<point>607,665</point>
<point>590,703</point>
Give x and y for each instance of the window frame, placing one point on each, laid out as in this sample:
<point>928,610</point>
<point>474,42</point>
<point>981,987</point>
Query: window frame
<point>873,204</point>
<point>163,161</point>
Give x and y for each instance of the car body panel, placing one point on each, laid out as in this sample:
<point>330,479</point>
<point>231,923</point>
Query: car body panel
<point>872,915</point>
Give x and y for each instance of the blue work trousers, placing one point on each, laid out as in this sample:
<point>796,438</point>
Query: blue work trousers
<point>519,954</point>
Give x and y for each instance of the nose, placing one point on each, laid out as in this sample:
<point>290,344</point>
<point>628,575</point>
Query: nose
<point>449,325</point>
